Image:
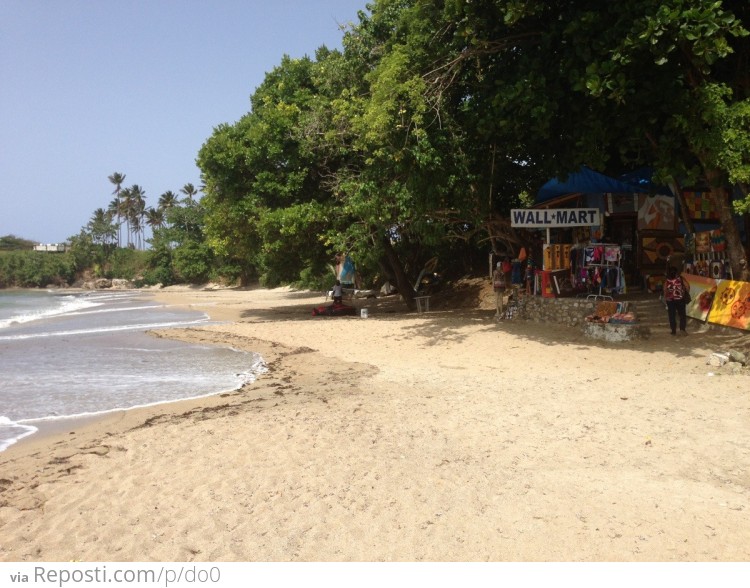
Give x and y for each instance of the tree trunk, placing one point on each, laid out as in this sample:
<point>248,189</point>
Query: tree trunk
<point>722,201</point>
<point>684,210</point>
<point>405,288</point>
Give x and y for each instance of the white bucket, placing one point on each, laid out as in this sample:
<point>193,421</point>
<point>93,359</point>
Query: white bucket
<point>363,313</point>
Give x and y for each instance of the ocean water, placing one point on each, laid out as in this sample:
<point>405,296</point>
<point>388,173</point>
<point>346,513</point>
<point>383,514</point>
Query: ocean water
<point>68,354</point>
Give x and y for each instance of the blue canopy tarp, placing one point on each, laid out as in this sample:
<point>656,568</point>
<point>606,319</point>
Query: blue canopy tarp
<point>587,181</point>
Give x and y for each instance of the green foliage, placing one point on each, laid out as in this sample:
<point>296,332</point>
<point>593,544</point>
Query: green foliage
<point>316,278</point>
<point>32,269</point>
<point>267,185</point>
<point>192,263</point>
<point>13,243</point>
<point>159,275</point>
<point>159,261</point>
<point>127,264</point>
<point>84,252</point>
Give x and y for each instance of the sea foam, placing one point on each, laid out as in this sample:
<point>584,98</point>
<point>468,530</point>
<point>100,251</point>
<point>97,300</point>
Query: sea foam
<point>65,305</point>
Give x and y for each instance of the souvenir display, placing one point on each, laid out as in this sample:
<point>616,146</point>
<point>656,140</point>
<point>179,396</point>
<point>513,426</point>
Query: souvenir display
<point>709,255</point>
<point>656,249</point>
<point>700,205</point>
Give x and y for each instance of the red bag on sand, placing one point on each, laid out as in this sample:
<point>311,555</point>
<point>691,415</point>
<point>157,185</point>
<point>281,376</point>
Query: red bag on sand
<point>335,309</point>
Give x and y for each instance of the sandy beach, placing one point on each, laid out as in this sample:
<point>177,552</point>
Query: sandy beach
<point>443,436</point>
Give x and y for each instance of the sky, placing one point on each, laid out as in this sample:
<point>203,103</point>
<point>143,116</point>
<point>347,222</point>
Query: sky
<point>93,87</point>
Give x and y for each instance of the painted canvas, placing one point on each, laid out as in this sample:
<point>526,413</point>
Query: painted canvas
<point>700,206</point>
<point>656,249</point>
<point>702,292</point>
<point>731,305</point>
<point>656,213</point>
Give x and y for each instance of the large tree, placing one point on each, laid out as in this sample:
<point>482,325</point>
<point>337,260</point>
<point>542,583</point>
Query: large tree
<point>265,196</point>
<point>399,178</point>
<point>439,116</point>
<point>610,85</point>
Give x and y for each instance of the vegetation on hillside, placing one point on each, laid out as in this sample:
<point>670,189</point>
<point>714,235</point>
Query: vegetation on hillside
<point>13,243</point>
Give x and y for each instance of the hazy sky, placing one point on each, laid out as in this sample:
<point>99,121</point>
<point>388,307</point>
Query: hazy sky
<point>92,87</point>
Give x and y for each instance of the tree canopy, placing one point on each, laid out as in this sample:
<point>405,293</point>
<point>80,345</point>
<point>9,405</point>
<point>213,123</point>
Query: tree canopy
<point>437,117</point>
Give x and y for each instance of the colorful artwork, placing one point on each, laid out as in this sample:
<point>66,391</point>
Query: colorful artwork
<point>703,242</point>
<point>703,268</point>
<point>612,253</point>
<point>702,293</point>
<point>656,212</point>
<point>718,241</point>
<point>656,250</point>
<point>700,206</point>
<point>731,304</point>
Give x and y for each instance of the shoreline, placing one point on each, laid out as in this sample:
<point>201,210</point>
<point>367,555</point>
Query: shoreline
<point>59,426</point>
<point>401,437</point>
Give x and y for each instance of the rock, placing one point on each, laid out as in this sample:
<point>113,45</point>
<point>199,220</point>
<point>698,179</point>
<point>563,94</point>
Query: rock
<point>119,284</point>
<point>615,333</point>
<point>734,368</point>
<point>737,356</point>
<point>717,359</point>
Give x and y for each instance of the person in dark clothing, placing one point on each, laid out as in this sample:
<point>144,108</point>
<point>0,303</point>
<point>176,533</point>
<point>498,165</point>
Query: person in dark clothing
<point>675,291</point>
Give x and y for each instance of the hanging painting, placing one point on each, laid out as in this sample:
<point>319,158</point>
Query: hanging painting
<point>656,249</point>
<point>656,213</point>
<point>700,206</point>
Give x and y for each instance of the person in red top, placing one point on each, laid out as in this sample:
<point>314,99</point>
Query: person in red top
<point>675,290</point>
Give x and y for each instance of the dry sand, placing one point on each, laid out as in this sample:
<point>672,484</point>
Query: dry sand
<point>440,437</point>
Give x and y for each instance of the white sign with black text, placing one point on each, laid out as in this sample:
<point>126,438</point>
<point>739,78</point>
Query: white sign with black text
<point>555,218</point>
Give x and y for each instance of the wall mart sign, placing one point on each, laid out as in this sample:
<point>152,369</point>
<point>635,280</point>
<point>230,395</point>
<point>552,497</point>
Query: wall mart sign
<point>555,217</point>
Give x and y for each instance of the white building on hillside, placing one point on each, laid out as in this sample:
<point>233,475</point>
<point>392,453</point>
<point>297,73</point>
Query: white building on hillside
<point>51,247</point>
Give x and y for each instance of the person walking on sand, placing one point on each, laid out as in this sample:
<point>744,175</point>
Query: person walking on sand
<point>498,285</point>
<point>675,290</point>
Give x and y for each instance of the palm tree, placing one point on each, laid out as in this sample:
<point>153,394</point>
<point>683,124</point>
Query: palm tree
<point>155,217</point>
<point>117,179</point>
<point>126,198</point>
<point>114,209</point>
<point>167,200</point>
<point>101,228</point>
<point>189,191</point>
<point>136,212</point>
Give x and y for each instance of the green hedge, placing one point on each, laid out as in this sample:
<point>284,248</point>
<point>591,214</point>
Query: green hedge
<point>35,269</point>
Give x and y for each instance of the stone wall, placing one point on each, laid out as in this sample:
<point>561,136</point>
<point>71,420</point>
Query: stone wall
<point>565,311</point>
<point>572,312</point>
